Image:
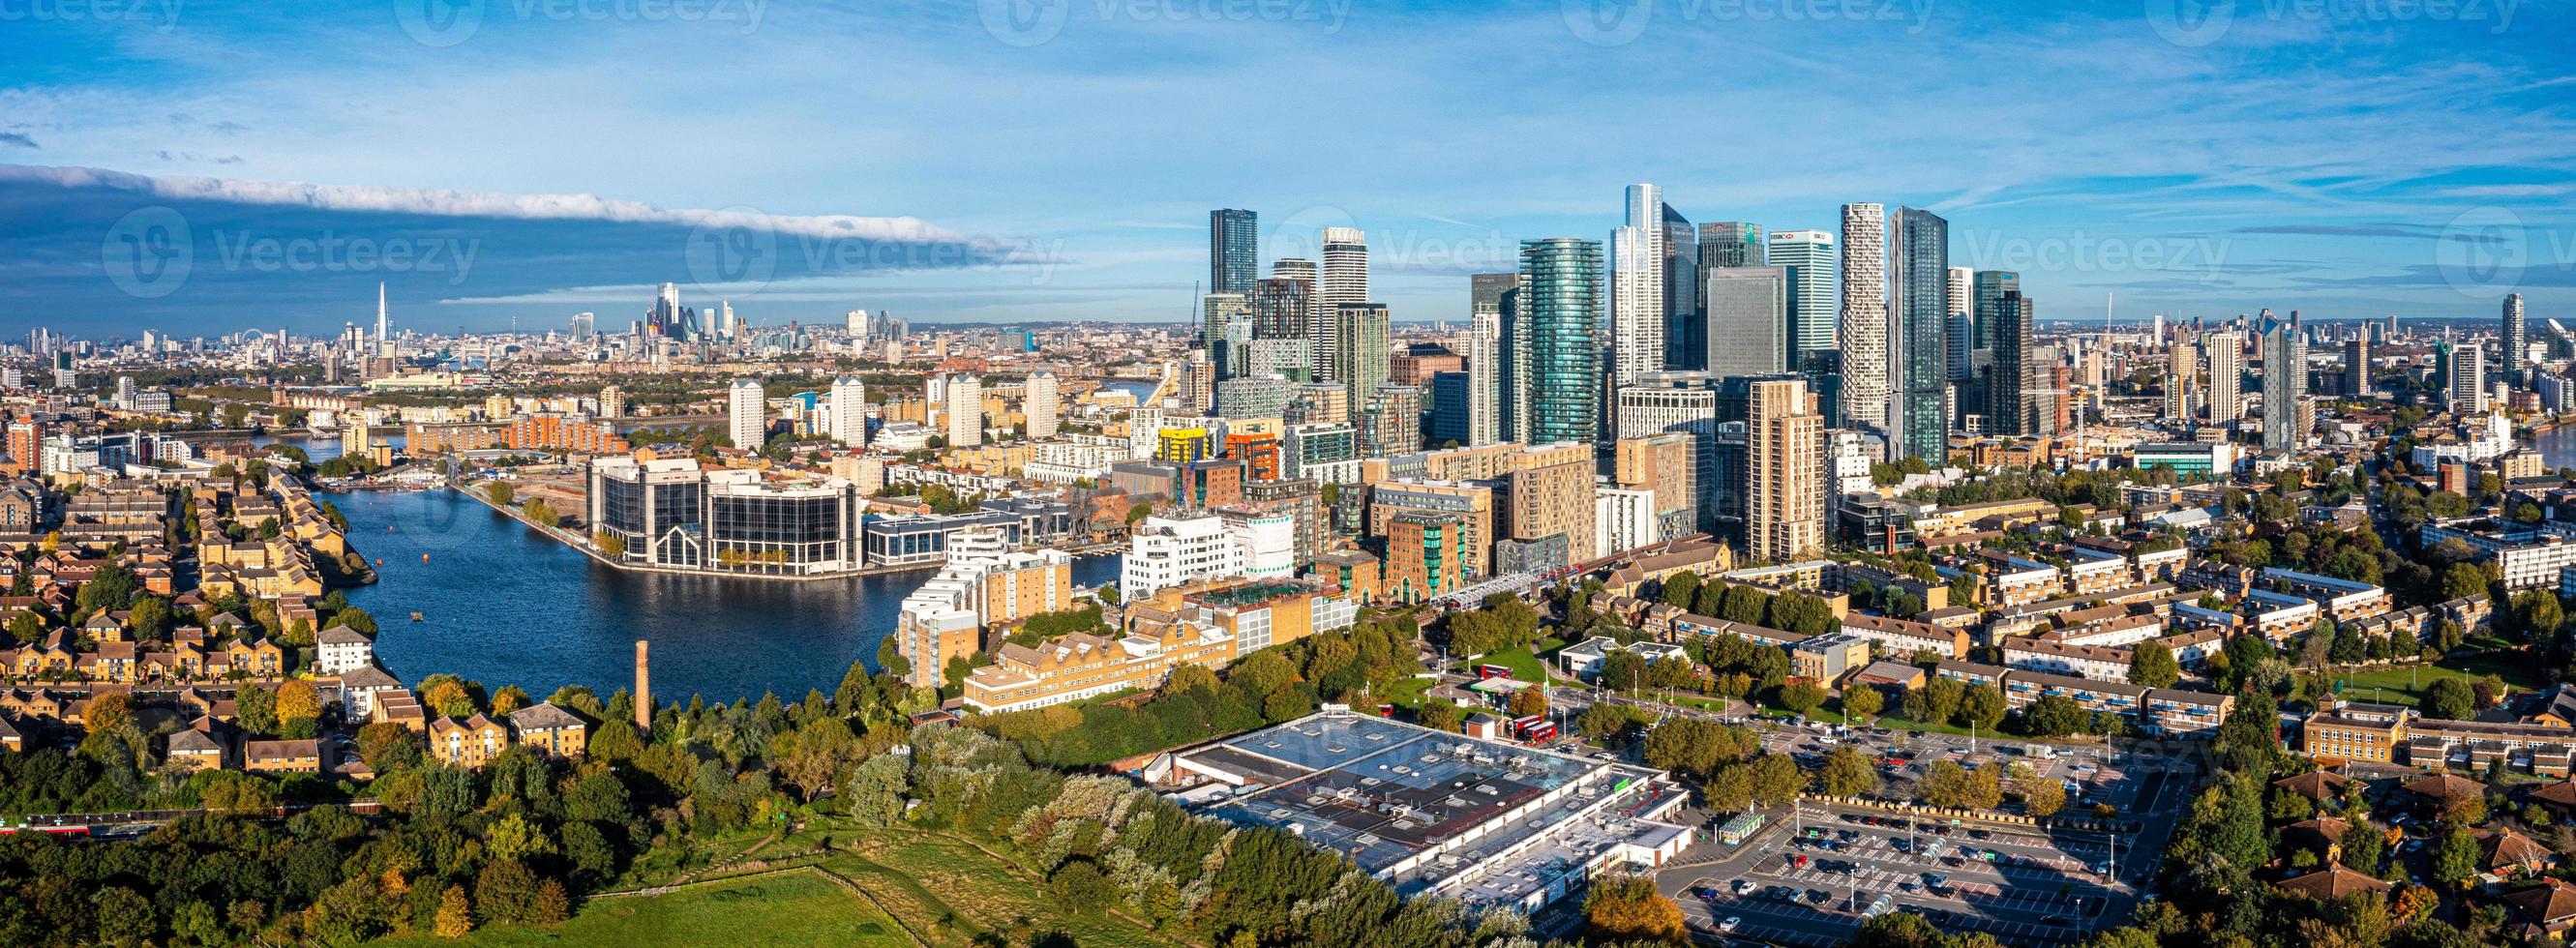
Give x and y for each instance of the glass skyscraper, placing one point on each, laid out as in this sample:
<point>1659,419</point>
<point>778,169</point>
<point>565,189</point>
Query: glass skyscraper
<point>1234,251</point>
<point>1808,256</point>
<point>1554,326</point>
<point>1918,351</point>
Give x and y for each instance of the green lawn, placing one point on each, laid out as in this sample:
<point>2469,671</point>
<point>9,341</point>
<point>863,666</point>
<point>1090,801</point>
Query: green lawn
<point>953,892</point>
<point>796,908</point>
<point>2406,685</point>
<point>1408,692</point>
<point>1526,662</point>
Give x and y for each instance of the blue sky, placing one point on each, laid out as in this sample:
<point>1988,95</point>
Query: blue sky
<point>203,167</point>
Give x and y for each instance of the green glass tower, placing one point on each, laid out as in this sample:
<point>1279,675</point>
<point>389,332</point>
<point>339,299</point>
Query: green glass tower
<point>1554,324</point>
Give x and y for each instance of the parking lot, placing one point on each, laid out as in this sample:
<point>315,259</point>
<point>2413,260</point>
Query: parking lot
<point>1812,884</point>
<point>2136,780</point>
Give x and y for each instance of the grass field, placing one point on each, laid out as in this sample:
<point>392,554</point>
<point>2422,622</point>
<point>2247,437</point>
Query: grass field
<point>1524,660</point>
<point>2406,685</point>
<point>794,908</point>
<point>952,892</point>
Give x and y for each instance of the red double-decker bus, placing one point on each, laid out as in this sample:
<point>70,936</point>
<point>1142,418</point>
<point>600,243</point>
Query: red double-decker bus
<point>1493,671</point>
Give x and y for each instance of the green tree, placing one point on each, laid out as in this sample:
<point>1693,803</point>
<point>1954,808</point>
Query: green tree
<point>2153,665</point>
<point>1982,706</point>
<point>1847,773</point>
<point>2449,698</point>
<point>503,493</point>
<point>1863,701</point>
<point>2054,716</point>
<point>1801,697</point>
<point>2455,863</point>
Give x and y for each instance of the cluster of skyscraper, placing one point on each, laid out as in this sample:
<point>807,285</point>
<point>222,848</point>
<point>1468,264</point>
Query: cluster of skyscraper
<point>1893,340</point>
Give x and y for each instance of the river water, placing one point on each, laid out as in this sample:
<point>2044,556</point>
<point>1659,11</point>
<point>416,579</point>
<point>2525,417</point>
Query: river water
<point>503,604</point>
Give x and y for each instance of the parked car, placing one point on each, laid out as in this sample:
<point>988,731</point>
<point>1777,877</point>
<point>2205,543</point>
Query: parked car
<point>1730,924</point>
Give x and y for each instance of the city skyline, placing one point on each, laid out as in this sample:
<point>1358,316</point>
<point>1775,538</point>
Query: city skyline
<point>998,211</point>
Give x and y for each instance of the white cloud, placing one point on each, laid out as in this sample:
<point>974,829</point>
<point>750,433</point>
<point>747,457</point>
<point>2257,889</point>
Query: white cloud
<point>449,203</point>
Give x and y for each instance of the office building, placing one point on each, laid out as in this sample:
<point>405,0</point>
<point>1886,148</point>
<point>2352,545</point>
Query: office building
<point>1167,550</point>
<point>1234,251</point>
<point>1864,326</point>
<point>1986,289</point>
<point>1785,477</point>
<point>965,411</point>
<point>669,512</point>
<point>849,411</point>
<point>1748,321</point>
<point>1685,335</point>
<point>1735,244</point>
<point>1920,382</point>
<point>747,417</point>
<point>1808,256</point>
<point>1042,408</point>
<point>2285,375</point>
<point>1554,390</point>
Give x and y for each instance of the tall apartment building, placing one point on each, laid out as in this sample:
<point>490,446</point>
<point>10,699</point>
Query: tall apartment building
<point>2516,338</point>
<point>1234,250</point>
<point>2225,352</point>
<point>1637,287</point>
<point>1485,373</point>
<point>1554,390</point>
<point>1555,499</point>
<point>849,412</point>
<point>1041,405</point>
<point>2285,377</point>
<point>2006,320</point>
<point>1360,355</point>
<point>1865,316</point>
<point>965,411</point>
<point>1785,479</point>
<point>1920,382</point>
<point>747,415</point>
<point>1342,278</point>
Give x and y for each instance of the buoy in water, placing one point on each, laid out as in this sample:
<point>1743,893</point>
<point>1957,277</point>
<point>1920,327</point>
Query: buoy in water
<point>424,557</point>
<point>380,561</point>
